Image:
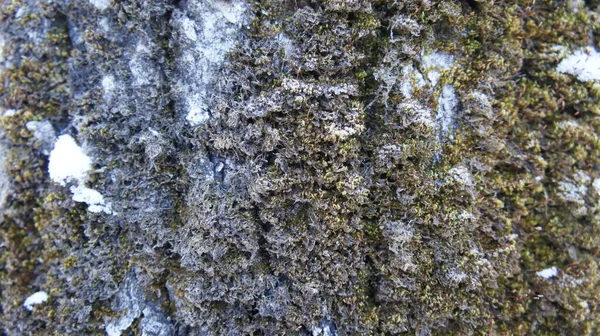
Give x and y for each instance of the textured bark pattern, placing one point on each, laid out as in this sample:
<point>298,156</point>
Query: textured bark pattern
<point>282,167</point>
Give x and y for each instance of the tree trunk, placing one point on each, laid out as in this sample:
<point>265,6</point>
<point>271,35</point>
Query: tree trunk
<point>275,167</point>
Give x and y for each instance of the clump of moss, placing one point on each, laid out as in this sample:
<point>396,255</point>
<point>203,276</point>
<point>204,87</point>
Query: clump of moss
<point>427,235</point>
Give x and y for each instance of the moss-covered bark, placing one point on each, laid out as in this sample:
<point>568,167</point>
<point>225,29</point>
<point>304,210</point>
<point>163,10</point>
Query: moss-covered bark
<point>360,167</point>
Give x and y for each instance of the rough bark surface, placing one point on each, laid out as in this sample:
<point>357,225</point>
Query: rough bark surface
<point>283,167</point>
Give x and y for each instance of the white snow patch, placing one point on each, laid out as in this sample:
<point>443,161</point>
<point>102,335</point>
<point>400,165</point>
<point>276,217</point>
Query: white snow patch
<point>406,89</point>
<point>69,163</point>
<point>438,60</point>
<point>447,107</point>
<point>548,273</point>
<point>584,63</point>
<point>569,125</point>
<point>94,199</point>
<point>559,51</point>
<point>582,178</point>
<point>482,102</point>
<point>35,299</point>
<point>100,4</point>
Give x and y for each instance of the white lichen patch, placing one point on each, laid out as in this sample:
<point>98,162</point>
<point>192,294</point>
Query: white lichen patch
<point>576,5</point>
<point>104,24</point>
<point>4,178</point>
<point>43,132</point>
<point>100,4</point>
<point>574,191</point>
<point>286,44</point>
<point>462,178</point>
<point>21,12</point>
<point>405,24</point>
<point>461,175</point>
<point>68,163</point>
<point>548,273</point>
<point>416,116</point>
<point>188,28</point>
<point>109,86</point>
<point>399,234</point>
<point>117,328</point>
<point>9,113</point>
<point>411,79</point>
<point>584,64</point>
<point>480,104</point>
<point>300,87</point>
<point>435,64</point>
<point>35,299</point>
<point>197,110</point>
<point>455,276</point>
<point>2,45</point>
<point>448,105</point>
<point>209,31</point>
<point>465,216</point>
<point>596,185</point>
<point>342,133</point>
<point>323,329</point>
<point>141,66</point>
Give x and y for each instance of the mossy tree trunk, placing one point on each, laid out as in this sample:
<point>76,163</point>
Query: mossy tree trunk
<point>338,167</point>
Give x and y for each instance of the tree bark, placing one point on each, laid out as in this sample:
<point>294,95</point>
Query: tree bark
<point>339,167</point>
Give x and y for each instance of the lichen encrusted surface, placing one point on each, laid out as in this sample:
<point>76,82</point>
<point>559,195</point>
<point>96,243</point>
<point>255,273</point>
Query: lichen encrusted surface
<point>339,167</point>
